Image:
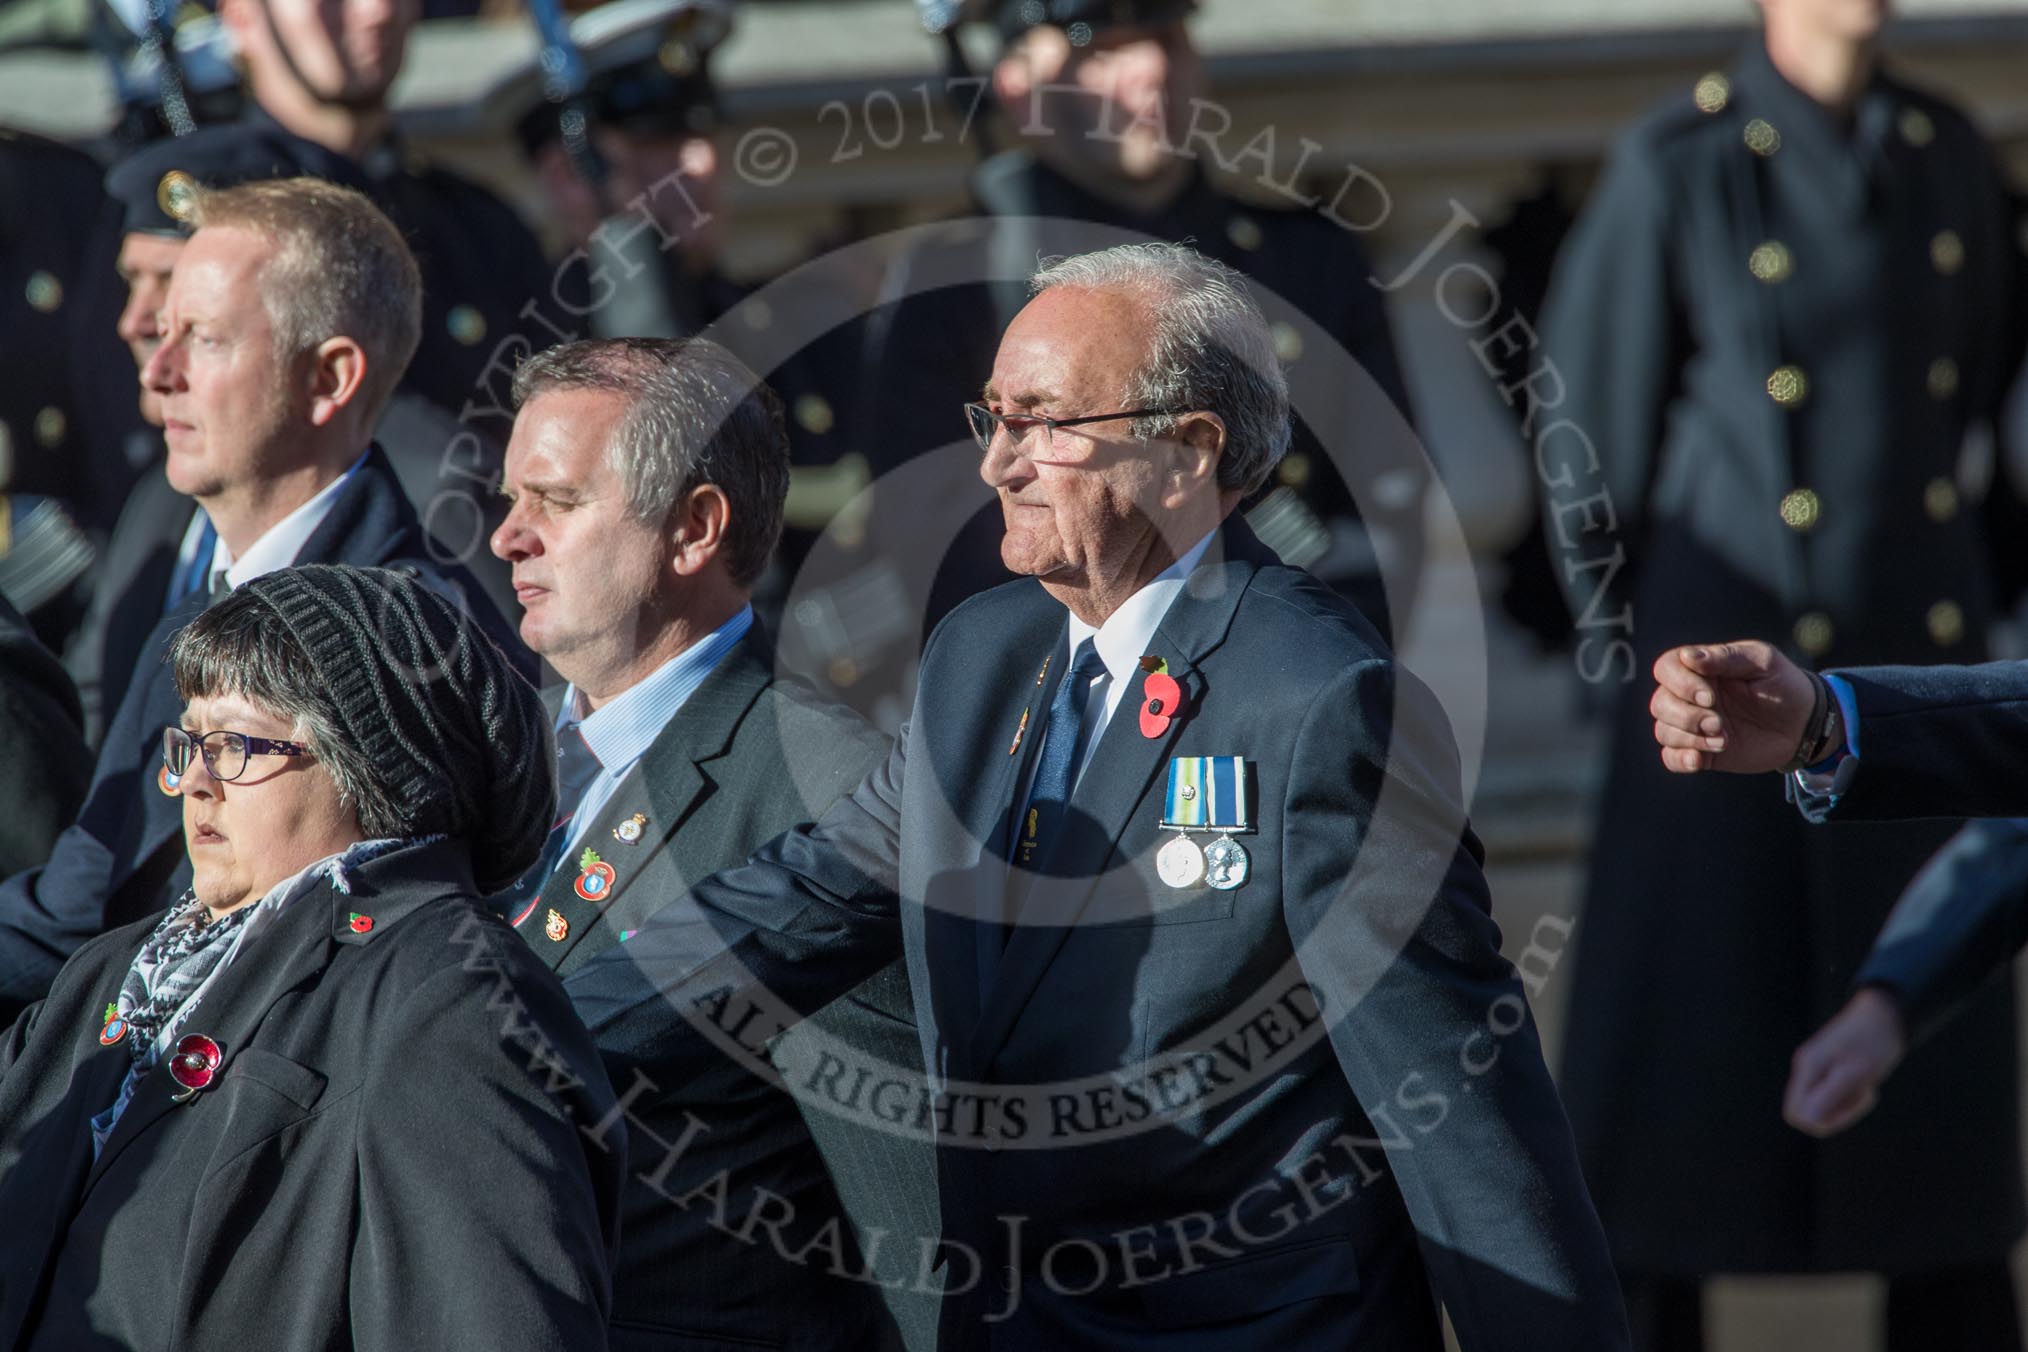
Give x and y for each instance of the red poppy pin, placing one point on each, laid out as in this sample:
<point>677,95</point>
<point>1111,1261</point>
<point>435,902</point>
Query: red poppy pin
<point>194,1064</point>
<point>1161,697</point>
<point>361,923</point>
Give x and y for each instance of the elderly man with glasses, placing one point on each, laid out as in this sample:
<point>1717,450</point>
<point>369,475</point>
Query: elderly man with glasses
<point>1218,1045</point>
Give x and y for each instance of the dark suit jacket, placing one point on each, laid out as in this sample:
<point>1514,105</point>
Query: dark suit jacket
<point>1135,1100</point>
<point>46,766</point>
<point>390,1156</point>
<point>746,758</point>
<point>124,855</point>
<point>1937,742</point>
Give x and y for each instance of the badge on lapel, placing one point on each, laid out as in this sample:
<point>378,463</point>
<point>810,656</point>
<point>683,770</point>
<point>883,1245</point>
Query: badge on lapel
<point>194,1065</point>
<point>168,783</point>
<point>555,926</point>
<point>630,831</point>
<point>115,1027</point>
<point>1161,697</point>
<point>1207,796</point>
<point>594,878</point>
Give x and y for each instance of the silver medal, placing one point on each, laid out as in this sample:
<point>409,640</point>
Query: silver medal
<point>1180,863</point>
<point>1225,863</point>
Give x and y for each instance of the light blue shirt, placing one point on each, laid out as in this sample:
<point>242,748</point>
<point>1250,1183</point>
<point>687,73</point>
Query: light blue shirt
<point>621,732</point>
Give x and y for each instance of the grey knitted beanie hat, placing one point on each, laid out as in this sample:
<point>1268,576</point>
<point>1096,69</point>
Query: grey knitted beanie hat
<point>445,724</point>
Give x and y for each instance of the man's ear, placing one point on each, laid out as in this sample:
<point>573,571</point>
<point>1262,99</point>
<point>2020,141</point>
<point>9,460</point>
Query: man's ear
<point>337,371</point>
<point>1197,449</point>
<point>697,526</point>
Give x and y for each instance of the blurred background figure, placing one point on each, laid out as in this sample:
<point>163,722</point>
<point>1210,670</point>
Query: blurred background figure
<point>47,765</point>
<point>1793,299</point>
<point>1095,102</point>
<point>63,458</point>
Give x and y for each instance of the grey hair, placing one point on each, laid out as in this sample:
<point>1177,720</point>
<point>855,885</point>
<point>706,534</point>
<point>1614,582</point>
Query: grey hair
<point>237,648</point>
<point>1210,348</point>
<point>695,415</point>
<point>340,268</point>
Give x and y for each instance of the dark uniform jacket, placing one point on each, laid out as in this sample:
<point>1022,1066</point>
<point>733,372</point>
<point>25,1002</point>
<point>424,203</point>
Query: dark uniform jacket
<point>746,758</point>
<point>123,857</point>
<point>390,1155</point>
<point>1136,1091</point>
<point>68,401</point>
<point>947,300</point>
<point>46,766</point>
<point>1775,335</point>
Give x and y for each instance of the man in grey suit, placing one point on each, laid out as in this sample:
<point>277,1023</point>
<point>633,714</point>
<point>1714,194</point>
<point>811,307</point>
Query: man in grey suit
<point>647,479</point>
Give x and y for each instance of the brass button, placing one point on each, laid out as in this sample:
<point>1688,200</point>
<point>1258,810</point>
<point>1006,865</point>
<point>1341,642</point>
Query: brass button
<point>45,293</point>
<point>1244,231</point>
<point>176,194</point>
<point>1761,137</point>
<point>1294,470</point>
<point>1788,386</point>
<point>466,324</point>
<point>843,672</point>
<point>1813,633</point>
<point>814,413</point>
<point>1800,509</point>
<point>50,425</point>
<point>677,57</point>
<point>1946,623</point>
<point>1288,343</point>
<point>1712,93</point>
<point>1916,128</point>
<point>1771,262</point>
<point>1947,252</point>
<point>1943,378</point>
<point>1940,500</point>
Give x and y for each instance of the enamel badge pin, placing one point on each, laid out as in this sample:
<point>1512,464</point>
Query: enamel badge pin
<point>194,1065</point>
<point>168,783</point>
<point>115,1027</point>
<point>1207,795</point>
<point>1161,697</point>
<point>555,926</point>
<point>594,878</point>
<point>630,831</point>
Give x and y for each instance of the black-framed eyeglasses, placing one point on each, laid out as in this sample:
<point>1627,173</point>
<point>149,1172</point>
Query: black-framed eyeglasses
<point>985,422</point>
<point>226,753</point>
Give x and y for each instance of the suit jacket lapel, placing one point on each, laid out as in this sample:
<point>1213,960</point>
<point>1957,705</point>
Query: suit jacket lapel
<point>665,785</point>
<point>1115,785</point>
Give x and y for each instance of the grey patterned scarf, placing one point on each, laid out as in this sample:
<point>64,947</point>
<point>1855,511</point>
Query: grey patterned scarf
<point>184,949</point>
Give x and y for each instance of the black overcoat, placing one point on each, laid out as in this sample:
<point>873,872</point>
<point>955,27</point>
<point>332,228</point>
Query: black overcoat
<point>391,1155</point>
<point>1775,334</point>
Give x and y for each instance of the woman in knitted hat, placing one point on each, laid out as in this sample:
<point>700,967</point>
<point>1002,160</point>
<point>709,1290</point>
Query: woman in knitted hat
<point>327,1099</point>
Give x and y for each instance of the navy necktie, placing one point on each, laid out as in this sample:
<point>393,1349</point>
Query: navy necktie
<point>576,767</point>
<point>1064,737</point>
<point>191,576</point>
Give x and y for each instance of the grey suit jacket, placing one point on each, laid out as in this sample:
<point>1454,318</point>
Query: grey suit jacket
<point>747,757</point>
<point>1280,1115</point>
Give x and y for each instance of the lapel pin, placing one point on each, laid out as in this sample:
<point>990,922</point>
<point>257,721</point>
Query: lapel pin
<point>630,831</point>
<point>556,927</point>
<point>1045,668</point>
<point>361,924</point>
<point>168,783</point>
<point>194,1065</point>
<point>594,878</point>
<point>115,1027</point>
<point>1019,732</point>
<point>1161,695</point>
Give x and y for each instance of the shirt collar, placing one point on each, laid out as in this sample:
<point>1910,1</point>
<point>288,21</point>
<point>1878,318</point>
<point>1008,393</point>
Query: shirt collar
<point>1128,631</point>
<point>280,543</point>
<point>628,725</point>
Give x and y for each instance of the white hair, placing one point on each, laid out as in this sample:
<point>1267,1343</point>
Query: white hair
<point>1210,348</point>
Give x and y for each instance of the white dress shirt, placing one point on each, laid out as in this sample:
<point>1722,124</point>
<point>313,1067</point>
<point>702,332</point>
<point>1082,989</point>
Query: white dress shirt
<point>276,549</point>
